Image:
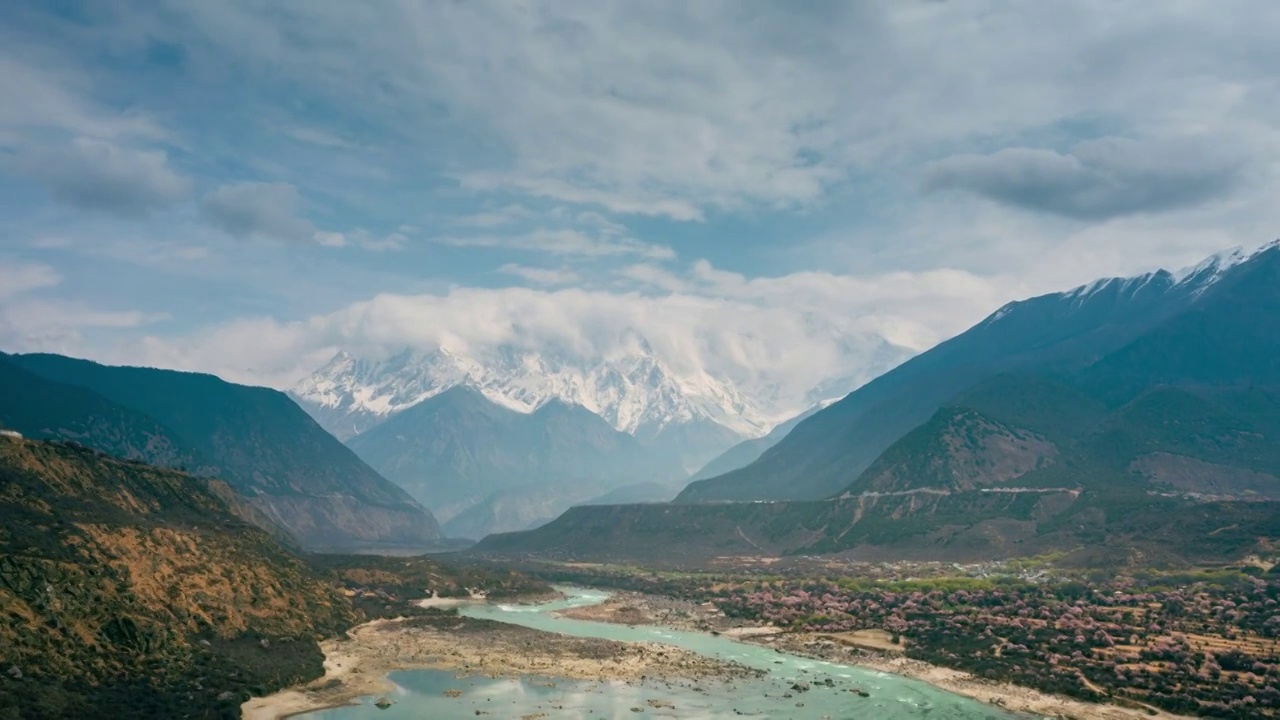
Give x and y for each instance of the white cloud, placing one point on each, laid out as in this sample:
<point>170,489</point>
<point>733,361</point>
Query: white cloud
<point>541,276</point>
<point>779,336</point>
<point>329,239</point>
<point>62,320</point>
<point>499,217</point>
<point>35,325</point>
<point>613,201</point>
<point>273,210</point>
<point>50,242</point>
<point>41,94</point>
<point>647,274</point>
<point>558,117</point>
<point>397,240</point>
<point>564,242</point>
<point>676,109</point>
<point>30,322</point>
<point>316,136</point>
<point>18,278</point>
<point>390,241</point>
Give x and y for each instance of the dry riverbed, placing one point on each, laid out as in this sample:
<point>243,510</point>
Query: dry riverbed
<point>358,664</point>
<point>869,649</point>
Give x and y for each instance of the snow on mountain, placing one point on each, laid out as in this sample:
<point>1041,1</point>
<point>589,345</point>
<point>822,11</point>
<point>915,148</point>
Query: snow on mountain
<point>635,391</point>
<point>1192,280</point>
<point>1207,271</point>
<point>639,391</point>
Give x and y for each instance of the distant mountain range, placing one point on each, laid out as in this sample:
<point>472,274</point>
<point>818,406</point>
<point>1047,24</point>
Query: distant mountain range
<point>691,417</point>
<point>483,467</point>
<point>489,460</point>
<point>294,474</point>
<point>1131,417</point>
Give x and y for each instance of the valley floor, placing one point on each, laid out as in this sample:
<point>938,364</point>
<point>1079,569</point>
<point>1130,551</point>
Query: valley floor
<point>868,650</point>
<point>358,664</point>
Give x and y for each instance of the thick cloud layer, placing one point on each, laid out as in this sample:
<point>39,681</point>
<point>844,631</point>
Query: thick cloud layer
<point>754,186</point>
<point>789,333</point>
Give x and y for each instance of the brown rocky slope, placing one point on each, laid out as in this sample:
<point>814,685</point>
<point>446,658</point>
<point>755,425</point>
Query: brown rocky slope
<point>129,588</point>
<point>133,591</point>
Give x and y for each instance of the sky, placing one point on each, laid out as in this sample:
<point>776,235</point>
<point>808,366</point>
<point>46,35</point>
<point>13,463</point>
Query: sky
<point>245,187</point>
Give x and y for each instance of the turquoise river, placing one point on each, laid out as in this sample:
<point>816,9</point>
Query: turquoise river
<point>420,694</point>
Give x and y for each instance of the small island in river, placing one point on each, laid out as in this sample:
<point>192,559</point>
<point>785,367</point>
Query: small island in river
<point>357,664</point>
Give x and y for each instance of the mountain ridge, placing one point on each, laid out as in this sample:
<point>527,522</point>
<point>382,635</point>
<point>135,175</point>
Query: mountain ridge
<point>635,393</point>
<point>1056,332</point>
<point>256,439</point>
<point>634,389</point>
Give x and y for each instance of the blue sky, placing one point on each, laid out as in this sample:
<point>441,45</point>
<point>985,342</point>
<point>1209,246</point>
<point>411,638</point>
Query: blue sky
<point>245,187</point>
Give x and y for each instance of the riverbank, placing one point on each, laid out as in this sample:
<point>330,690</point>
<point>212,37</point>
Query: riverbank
<point>630,608</point>
<point>358,664</point>
<point>1006,695</point>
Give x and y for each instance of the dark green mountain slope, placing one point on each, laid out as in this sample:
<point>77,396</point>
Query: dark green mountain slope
<point>256,439</point>
<point>41,408</point>
<point>1134,323</point>
<point>460,452</point>
<point>957,450</point>
<point>1166,431</point>
<point>1230,335</point>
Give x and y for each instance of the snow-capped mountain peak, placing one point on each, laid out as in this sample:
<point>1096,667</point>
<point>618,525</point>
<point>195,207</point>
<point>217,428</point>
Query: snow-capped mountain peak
<point>1190,282</point>
<point>1208,271</point>
<point>632,388</point>
<point>635,393</point>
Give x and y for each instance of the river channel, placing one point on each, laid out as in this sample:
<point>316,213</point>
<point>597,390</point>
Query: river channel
<point>423,694</point>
